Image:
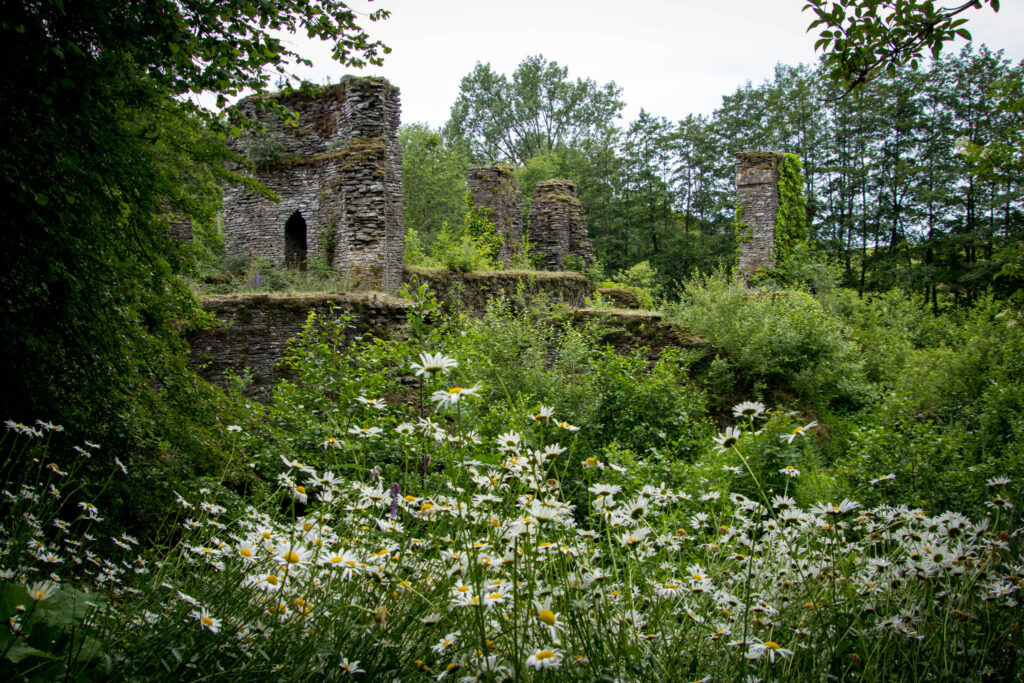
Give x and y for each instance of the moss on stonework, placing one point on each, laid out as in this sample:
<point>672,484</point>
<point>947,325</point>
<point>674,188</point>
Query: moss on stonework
<point>761,159</point>
<point>359,149</point>
<point>294,97</point>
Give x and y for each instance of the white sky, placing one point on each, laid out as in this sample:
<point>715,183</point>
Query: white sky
<point>671,58</point>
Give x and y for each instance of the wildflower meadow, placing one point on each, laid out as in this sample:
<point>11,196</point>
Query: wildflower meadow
<point>405,532</point>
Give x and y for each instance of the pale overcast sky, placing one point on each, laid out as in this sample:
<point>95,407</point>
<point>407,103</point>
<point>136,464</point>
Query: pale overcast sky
<point>671,58</point>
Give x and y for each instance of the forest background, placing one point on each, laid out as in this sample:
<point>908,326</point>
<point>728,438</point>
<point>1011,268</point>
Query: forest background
<point>893,197</point>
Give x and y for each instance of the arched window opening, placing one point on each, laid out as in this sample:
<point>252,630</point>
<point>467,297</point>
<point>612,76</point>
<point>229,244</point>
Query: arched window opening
<point>295,241</point>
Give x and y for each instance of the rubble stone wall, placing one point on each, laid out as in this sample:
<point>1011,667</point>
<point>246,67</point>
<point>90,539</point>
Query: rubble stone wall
<point>256,328</point>
<point>340,168</point>
<point>757,200</point>
<point>495,188</point>
<point>471,291</point>
<point>558,227</point>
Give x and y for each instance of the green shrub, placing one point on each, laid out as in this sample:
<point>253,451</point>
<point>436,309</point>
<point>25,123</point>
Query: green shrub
<point>264,150</point>
<point>472,246</point>
<point>641,276</point>
<point>780,335</point>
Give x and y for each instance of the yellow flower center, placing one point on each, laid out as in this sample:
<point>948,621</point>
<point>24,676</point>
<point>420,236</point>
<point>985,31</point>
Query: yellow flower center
<point>455,390</point>
<point>272,579</point>
<point>207,621</point>
<point>291,557</point>
<point>38,594</point>
<point>671,586</point>
<point>547,616</point>
<point>463,589</point>
<point>300,489</point>
<point>266,535</point>
<point>772,644</point>
<point>544,654</point>
<point>245,552</point>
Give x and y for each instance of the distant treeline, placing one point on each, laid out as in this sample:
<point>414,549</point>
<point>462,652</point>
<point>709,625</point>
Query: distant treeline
<point>895,193</point>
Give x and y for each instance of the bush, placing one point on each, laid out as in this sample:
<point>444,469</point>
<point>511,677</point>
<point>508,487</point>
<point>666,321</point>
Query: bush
<point>782,335</point>
<point>472,246</point>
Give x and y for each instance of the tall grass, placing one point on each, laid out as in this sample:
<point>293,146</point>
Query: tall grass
<point>469,562</point>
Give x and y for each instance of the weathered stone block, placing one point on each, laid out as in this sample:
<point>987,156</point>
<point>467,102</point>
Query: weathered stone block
<point>339,178</point>
<point>757,200</point>
<point>558,227</point>
<point>496,189</point>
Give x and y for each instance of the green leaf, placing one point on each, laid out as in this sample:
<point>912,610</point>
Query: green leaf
<point>20,650</point>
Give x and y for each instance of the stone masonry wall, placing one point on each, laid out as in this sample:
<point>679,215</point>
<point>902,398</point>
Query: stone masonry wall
<point>757,199</point>
<point>340,169</point>
<point>257,328</point>
<point>471,291</point>
<point>495,188</point>
<point>558,227</point>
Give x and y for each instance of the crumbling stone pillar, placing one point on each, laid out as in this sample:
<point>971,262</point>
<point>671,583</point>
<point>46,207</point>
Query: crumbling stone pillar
<point>558,228</point>
<point>757,200</point>
<point>339,172</point>
<point>496,189</point>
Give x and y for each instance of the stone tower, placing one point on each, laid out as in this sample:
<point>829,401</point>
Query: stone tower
<point>338,174</point>
<point>558,227</point>
<point>495,188</point>
<point>757,199</point>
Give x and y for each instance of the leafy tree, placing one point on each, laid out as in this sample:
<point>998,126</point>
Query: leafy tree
<point>864,38</point>
<point>103,148</point>
<point>433,179</point>
<point>534,113</point>
<point>646,213</point>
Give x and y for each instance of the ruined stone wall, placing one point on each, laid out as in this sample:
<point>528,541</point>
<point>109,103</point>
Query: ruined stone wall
<point>471,291</point>
<point>757,200</point>
<point>558,227</point>
<point>256,329</point>
<point>340,168</point>
<point>495,188</point>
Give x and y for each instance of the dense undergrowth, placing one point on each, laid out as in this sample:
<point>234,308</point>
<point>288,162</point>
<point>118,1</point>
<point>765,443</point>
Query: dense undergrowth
<point>501,497</point>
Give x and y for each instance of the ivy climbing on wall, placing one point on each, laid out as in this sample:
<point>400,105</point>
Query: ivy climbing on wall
<point>791,228</point>
<point>480,227</point>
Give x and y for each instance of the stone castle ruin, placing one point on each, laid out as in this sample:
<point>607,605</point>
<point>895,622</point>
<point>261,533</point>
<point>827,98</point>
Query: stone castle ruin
<point>558,228</point>
<point>757,202</point>
<point>338,174</point>
<point>495,188</point>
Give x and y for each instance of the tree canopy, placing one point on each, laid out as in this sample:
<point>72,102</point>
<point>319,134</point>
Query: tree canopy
<point>103,148</point>
<point>533,113</point>
<point>863,38</point>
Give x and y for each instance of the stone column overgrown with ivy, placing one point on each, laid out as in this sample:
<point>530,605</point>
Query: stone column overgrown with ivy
<point>771,212</point>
